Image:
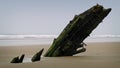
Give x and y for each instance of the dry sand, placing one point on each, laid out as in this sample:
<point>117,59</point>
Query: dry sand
<point>98,55</point>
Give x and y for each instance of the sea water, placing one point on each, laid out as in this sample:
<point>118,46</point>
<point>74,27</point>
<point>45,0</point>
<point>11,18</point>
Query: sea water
<point>18,40</point>
<point>26,40</point>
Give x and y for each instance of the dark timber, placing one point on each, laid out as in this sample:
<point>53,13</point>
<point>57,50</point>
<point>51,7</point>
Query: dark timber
<point>37,56</point>
<point>70,41</point>
<point>17,59</point>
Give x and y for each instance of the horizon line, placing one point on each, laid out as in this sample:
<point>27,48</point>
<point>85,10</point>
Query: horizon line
<point>51,36</point>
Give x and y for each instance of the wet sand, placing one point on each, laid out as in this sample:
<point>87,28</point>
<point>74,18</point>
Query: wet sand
<point>98,55</point>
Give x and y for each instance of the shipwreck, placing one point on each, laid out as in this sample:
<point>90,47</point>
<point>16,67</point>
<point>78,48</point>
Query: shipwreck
<point>70,41</point>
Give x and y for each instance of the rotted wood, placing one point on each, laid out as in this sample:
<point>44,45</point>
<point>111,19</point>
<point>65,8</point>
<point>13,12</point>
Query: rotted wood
<point>70,41</point>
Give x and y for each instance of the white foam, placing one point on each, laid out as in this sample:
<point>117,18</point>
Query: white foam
<point>15,40</point>
<point>104,36</point>
<point>27,60</point>
<point>3,37</point>
<point>6,37</point>
<point>46,36</point>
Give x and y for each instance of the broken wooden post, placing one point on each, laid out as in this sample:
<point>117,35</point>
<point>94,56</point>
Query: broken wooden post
<point>37,56</point>
<point>72,37</point>
<point>17,59</point>
<point>21,58</point>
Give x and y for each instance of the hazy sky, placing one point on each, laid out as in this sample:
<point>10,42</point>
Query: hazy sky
<point>51,16</point>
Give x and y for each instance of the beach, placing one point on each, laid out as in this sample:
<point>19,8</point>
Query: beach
<point>98,55</point>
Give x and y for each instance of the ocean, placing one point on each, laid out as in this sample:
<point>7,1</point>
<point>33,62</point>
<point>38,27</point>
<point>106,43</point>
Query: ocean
<point>19,40</point>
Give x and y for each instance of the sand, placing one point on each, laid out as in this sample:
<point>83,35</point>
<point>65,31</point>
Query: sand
<point>98,55</point>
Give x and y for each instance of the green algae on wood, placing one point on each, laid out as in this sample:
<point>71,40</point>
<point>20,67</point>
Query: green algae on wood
<point>70,41</point>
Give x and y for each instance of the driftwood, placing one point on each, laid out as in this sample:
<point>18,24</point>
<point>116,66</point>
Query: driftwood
<point>70,41</point>
<point>37,56</point>
<point>21,58</point>
<point>17,59</point>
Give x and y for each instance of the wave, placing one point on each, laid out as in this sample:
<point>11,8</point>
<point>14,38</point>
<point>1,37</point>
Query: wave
<point>105,36</point>
<point>15,40</point>
<point>5,37</point>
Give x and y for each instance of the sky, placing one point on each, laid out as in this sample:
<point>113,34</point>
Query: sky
<point>36,17</point>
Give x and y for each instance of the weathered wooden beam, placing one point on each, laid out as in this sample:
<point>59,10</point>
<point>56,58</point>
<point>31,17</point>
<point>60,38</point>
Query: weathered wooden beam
<point>17,59</point>
<point>72,37</point>
<point>21,58</point>
<point>37,56</point>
